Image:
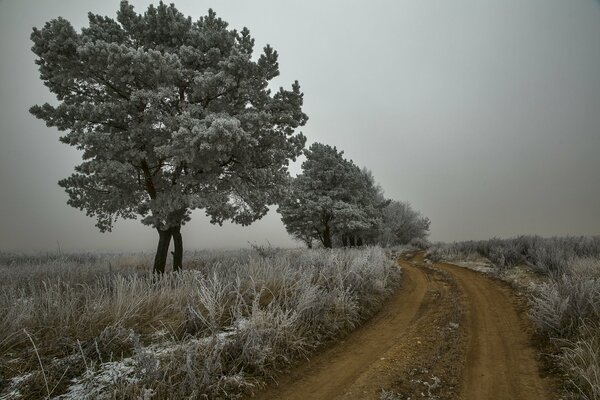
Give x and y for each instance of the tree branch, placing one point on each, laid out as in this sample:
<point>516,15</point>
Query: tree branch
<point>110,86</point>
<point>148,180</point>
<point>177,173</point>
<point>208,99</point>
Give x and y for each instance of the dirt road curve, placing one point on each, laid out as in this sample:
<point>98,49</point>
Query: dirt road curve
<point>501,362</point>
<point>447,333</point>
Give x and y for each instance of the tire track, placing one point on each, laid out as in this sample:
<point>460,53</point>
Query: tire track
<point>416,339</point>
<point>501,360</point>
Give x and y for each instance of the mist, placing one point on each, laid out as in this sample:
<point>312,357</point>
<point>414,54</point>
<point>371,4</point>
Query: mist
<point>484,115</point>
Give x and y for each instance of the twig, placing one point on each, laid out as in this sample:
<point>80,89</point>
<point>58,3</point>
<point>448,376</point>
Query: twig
<point>82,355</point>
<point>60,380</point>
<point>40,361</point>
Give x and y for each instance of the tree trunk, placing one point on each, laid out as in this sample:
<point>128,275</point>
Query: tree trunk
<point>162,251</point>
<point>178,249</point>
<point>309,242</point>
<point>359,241</point>
<point>352,242</point>
<point>345,240</point>
<point>327,237</point>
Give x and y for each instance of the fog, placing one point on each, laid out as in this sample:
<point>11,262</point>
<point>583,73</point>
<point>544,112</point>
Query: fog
<point>484,115</point>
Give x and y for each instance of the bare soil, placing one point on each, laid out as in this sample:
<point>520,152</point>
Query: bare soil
<point>446,333</point>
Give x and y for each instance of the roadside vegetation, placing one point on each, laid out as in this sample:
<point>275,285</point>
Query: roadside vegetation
<point>222,328</point>
<point>564,293</point>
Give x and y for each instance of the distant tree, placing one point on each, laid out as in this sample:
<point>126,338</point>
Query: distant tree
<point>172,115</point>
<point>358,223</point>
<point>400,224</point>
<point>298,214</point>
<point>331,197</point>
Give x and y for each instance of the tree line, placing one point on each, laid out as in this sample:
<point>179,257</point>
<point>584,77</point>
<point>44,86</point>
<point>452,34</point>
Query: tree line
<point>335,203</point>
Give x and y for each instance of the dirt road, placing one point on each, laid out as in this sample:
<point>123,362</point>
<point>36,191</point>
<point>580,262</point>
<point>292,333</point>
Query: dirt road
<point>447,333</point>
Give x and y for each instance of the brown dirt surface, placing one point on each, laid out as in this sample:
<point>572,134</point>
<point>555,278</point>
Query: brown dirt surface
<point>446,333</point>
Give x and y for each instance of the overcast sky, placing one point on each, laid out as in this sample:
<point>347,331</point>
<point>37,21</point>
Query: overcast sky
<point>484,115</point>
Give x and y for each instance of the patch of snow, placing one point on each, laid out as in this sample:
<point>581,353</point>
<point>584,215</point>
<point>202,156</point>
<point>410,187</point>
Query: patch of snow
<point>94,384</point>
<point>14,386</point>
<point>17,380</point>
<point>479,266</point>
<point>166,348</point>
<point>523,277</point>
<point>14,394</point>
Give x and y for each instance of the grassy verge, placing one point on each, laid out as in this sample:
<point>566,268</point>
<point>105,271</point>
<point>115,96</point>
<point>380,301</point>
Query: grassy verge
<point>217,330</point>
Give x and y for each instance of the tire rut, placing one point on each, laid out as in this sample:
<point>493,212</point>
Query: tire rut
<point>501,361</point>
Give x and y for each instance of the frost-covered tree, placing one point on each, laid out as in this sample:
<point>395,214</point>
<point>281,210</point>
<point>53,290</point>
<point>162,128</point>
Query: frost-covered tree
<point>400,224</point>
<point>172,115</point>
<point>327,199</point>
<point>359,223</point>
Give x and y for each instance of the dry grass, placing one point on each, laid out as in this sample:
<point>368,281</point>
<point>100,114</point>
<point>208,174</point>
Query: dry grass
<point>581,358</point>
<point>562,303</point>
<point>217,330</point>
<point>566,308</point>
<point>546,255</point>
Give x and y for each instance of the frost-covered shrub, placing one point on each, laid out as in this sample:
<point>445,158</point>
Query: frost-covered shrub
<point>561,304</point>
<point>566,308</point>
<point>581,359</point>
<point>217,330</point>
<point>400,224</point>
<point>547,255</point>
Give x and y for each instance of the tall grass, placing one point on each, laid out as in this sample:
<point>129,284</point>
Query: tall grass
<point>546,255</point>
<point>560,305</point>
<point>220,329</point>
<point>566,309</point>
<point>580,357</point>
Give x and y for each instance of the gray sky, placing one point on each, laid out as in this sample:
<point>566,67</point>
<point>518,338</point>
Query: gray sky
<point>485,115</point>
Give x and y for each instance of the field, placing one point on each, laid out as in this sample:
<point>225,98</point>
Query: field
<point>101,326</point>
<point>502,319</point>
